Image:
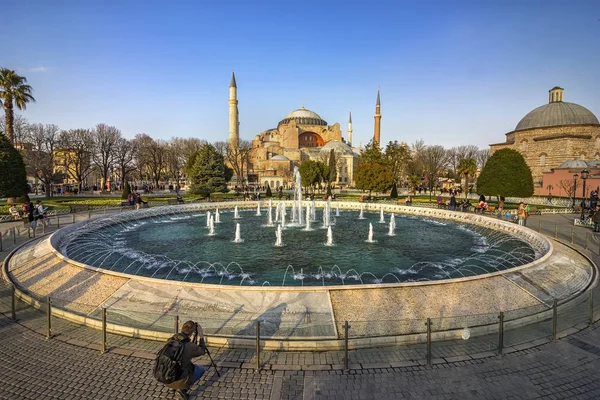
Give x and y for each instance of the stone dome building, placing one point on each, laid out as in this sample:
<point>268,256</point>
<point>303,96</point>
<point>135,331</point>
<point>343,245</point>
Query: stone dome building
<point>552,134</point>
<point>302,135</point>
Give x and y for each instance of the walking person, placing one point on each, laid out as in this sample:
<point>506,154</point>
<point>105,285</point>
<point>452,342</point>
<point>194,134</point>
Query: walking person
<point>174,366</point>
<point>521,213</point>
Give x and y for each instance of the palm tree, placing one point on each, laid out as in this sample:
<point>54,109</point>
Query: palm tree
<point>13,88</point>
<point>467,167</point>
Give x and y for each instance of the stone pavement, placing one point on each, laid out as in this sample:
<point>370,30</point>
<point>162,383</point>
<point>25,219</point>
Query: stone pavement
<point>69,366</point>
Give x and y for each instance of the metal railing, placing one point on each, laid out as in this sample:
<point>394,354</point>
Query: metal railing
<point>496,331</point>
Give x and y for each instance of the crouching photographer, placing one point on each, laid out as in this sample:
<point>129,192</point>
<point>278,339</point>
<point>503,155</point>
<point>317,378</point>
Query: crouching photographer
<point>173,365</point>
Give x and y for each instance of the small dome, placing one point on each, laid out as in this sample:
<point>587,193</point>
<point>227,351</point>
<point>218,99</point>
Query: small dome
<point>574,164</point>
<point>557,114</point>
<point>279,157</point>
<point>305,117</point>
<point>338,147</point>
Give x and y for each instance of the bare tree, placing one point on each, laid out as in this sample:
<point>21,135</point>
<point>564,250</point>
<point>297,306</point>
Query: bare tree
<point>568,186</point>
<point>221,148</point>
<point>481,157</point>
<point>434,159</point>
<point>152,155</point>
<point>175,158</point>
<point>237,156</point>
<point>20,127</point>
<point>39,150</point>
<point>105,139</point>
<point>76,147</point>
<point>125,151</point>
<point>188,146</point>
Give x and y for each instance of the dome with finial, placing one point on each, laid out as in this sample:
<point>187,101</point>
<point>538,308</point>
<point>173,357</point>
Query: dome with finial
<point>557,113</point>
<point>304,116</point>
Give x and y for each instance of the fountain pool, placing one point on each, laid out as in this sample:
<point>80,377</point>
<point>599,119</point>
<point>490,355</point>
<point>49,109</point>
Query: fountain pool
<point>175,244</point>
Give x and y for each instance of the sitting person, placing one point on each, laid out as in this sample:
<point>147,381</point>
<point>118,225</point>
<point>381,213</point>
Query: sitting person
<point>408,201</point>
<point>14,212</point>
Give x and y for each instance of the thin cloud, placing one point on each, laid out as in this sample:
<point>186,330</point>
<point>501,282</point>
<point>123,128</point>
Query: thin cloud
<point>41,68</point>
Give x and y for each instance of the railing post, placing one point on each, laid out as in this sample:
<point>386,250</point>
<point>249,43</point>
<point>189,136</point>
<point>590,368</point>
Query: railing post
<point>428,323</point>
<point>540,226</point>
<point>0,241</point>
<point>591,321</point>
<point>555,231</point>
<point>176,324</point>
<point>43,226</point>
<point>554,319</point>
<point>57,221</point>
<point>346,361</point>
<point>29,232</point>
<point>89,214</point>
<point>33,230</point>
<point>73,217</point>
<point>572,235</point>
<point>257,346</point>
<point>49,325</point>
<point>587,236</point>
<point>105,209</point>
<point>13,303</point>
<point>104,341</point>
<point>14,235</point>
<point>500,332</point>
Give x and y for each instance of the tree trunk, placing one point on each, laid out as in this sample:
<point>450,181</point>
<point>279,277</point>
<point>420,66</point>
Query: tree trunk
<point>48,193</point>
<point>9,117</point>
<point>466,186</point>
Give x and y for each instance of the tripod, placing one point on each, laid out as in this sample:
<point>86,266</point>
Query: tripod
<point>201,343</point>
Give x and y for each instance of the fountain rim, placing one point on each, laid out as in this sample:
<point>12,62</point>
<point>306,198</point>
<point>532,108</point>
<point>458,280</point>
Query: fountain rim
<point>354,206</point>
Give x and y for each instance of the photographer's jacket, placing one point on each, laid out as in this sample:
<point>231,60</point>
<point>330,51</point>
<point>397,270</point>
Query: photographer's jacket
<point>190,351</point>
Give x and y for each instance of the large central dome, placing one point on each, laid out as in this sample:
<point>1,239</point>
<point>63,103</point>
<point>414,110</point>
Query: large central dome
<point>557,113</point>
<point>304,116</point>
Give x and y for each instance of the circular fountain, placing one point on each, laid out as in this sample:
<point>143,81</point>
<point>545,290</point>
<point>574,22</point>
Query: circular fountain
<point>387,263</point>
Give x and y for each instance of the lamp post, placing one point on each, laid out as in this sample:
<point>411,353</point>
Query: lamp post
<point>430,186</point>
<point>584,175</point>
<point>574,187</point>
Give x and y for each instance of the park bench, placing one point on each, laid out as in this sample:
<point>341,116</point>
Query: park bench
<point>78,208</point>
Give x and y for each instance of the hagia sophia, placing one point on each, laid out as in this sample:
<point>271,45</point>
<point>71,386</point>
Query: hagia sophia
<point>302,135</point>
<point>558,138</point>
<point>553,139</point>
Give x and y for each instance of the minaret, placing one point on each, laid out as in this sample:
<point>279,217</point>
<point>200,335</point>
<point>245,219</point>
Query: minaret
<point>350,129</point>
<point>377,133</point>
<point>234,129</point>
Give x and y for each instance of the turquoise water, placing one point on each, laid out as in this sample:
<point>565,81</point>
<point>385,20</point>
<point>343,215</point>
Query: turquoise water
<point>179,248</point>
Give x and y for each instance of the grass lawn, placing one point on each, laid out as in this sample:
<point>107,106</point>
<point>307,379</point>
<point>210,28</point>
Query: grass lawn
<point>63,202</point>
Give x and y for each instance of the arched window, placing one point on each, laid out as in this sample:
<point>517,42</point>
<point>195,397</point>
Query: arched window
<point>597,144</point>
<point>543,160</point>
<point>597,157</point>
<point>582,156</point>
<point>524,145</point>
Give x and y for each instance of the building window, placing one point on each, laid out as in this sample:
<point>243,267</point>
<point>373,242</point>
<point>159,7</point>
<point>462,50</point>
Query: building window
<point>543,160</point>
<point>598,142</point>
<point>582,157</point>
<point>524,145</point>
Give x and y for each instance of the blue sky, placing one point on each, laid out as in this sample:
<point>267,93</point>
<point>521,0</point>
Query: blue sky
<point>451,72</point>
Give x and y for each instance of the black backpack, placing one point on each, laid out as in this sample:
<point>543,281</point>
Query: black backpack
<point>167,366</point>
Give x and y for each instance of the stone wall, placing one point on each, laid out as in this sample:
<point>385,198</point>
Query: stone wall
<point>583,141</point>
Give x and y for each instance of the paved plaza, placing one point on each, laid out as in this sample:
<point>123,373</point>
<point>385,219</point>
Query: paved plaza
<point>70,366</point>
